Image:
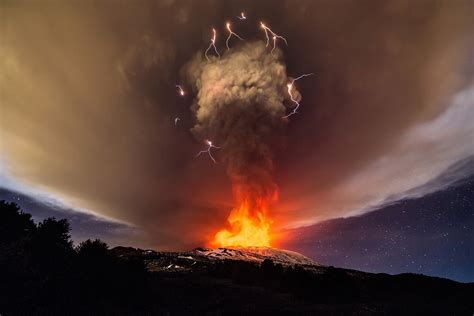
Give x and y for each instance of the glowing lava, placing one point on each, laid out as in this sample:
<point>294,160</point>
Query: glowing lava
<point>249,226</point>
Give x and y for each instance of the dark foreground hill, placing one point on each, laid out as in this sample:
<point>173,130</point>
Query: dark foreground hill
<point>231,281</point>
<point>42,273</point>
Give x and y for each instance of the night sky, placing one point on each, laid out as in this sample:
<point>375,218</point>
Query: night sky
<point>374,172</point>
<point>83,226</point>
<point>432,235</point>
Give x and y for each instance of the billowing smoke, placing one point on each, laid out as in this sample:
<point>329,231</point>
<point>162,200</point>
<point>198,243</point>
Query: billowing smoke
<point>239,106</point>
<point>88,97</point>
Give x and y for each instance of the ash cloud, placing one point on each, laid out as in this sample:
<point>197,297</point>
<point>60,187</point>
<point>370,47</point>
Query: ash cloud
<point>239,105</point>
<point>88,101</point>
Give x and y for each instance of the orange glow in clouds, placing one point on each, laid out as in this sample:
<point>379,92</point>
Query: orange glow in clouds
<point>249,226</point>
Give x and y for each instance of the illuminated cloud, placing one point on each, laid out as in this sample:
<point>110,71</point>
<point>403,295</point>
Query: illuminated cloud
<point>89,101</point>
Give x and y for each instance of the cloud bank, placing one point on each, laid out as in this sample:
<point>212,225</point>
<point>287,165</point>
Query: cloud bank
<point>88,101</point>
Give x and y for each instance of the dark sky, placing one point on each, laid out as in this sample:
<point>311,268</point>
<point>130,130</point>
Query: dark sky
<point>431,235</point>
<point>88,103</point>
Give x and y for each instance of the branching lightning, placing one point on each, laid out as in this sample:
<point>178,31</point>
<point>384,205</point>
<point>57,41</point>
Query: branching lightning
<point>274,36</point>
<point>208,150</point>
<point>290,92</point>
<point>274,44</point>
<point>242,16</point>
<point>212,44</point>
<point>227,25</point>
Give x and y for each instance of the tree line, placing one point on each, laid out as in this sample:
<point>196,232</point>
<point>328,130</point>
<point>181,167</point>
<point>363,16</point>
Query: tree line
<point>42,272</point>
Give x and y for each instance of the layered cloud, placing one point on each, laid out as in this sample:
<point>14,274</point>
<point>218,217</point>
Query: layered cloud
<point>88,102</point>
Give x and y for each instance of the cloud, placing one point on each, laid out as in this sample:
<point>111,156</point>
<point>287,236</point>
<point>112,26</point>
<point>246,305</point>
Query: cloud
<point>88,102</point>
<point>429,157</point>
<point>239,106</point>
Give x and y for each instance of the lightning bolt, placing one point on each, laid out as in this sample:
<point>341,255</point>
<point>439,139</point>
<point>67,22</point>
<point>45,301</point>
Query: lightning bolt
<point>212,44</point>
<point>208,150</point>
<point>290,92</point>
<point>274,36</point>
<point>242,16</point>
<point>180,90</point>
<point>227,25</point>
<point>274,44</point>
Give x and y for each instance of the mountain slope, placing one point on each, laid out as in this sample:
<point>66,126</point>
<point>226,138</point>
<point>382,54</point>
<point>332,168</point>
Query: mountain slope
<point>267,280</point>
<point>256,254</point>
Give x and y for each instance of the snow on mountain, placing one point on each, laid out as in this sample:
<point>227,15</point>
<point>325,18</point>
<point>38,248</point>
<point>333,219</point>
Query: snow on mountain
<point>202,257</point>
<point>255,254</point>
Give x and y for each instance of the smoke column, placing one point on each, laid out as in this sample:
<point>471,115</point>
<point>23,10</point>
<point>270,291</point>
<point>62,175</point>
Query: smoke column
<point>239,105</point>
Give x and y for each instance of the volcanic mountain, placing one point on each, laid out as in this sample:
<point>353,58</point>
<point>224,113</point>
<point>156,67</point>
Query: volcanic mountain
<point>157,261</point>
<point>269,280</point>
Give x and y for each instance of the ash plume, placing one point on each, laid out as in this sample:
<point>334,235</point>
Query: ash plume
<point>239,105</point>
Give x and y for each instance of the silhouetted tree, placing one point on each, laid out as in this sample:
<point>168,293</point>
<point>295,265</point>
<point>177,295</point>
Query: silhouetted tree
<point>17,277</point>
<point>51,245</point>
<point>56,233</point>
<point>16,229</point>
<point>14,224</point>
<point>41,272</point>
<point>92,248</point>
<point>94,264</point>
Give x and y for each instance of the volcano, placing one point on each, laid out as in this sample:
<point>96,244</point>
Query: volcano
<point>205,257</point>
<point>257,255</point>
<point>269,280</point>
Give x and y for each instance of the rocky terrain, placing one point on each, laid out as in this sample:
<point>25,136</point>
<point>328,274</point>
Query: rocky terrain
<point>202,257</point>
<point>235,280</point>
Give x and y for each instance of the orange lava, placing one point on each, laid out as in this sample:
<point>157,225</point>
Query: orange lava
<point>249,226</point>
